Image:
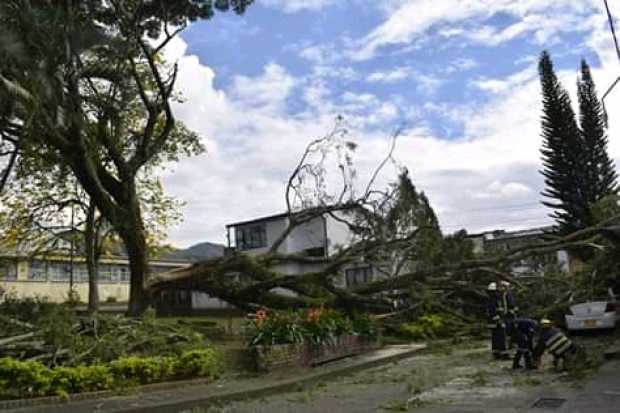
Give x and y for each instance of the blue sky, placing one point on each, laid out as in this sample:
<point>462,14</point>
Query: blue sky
<point>460,75</point>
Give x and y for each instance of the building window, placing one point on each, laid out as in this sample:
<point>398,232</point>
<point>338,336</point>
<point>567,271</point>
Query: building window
<point>8,270</point>
<point>251,236</point>
<point>37,270</point>
<point>113,273</point>
<point>358,276</point>
<point>314,252</point>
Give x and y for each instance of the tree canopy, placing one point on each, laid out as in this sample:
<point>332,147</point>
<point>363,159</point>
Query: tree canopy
<point>83,85</point>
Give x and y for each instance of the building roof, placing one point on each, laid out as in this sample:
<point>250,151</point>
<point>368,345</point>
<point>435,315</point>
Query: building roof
<point>257,220</point>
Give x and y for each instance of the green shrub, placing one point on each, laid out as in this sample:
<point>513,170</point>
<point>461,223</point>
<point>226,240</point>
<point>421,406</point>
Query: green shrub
<point>363,325</point>
<point>199,363</point>
<point>28,378</point>
<point>427,326</point>
<point>69,380</point>
<point>143,370</point>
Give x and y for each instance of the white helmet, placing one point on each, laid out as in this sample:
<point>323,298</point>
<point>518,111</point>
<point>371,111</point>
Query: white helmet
<point>492,287</point>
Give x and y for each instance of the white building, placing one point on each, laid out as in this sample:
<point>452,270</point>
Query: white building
<point>500,241</point>
<point>322,236</point>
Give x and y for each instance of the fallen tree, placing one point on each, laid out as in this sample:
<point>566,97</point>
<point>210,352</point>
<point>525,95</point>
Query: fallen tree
<point>390,228</point>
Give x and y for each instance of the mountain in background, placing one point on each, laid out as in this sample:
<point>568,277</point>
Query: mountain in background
<point>199,252</point>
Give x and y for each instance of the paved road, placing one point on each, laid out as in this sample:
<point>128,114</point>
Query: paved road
<point>464,381</point>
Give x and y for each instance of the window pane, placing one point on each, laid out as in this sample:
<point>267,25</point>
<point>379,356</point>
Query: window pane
<point>8,270</point>
<point>37,270</point>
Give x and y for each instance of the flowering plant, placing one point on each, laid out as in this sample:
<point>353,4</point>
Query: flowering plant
<point>315,325</point>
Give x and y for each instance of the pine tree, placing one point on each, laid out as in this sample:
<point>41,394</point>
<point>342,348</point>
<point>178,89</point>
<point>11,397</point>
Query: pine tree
<point>577,169</point>
<point>599,169</point>
<point>562,155</point>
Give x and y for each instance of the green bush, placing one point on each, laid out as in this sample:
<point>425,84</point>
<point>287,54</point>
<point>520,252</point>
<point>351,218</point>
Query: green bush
<point>70,380</point>
<point>143,369</point>
<point>30,378</point>
<point>427,326</point>
<point>199,363</point>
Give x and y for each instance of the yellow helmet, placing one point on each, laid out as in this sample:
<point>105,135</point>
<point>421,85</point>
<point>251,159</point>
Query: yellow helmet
<point>545,322</point>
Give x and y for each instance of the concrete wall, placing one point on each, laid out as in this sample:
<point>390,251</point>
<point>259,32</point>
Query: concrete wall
<point>306,236</point>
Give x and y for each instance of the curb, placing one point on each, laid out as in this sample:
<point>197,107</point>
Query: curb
<point>88,396</point>
<point>77,403</point>
<point>282,387</point>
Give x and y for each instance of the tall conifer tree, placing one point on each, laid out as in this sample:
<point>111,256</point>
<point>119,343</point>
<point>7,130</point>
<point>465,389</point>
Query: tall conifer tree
<point>599,169</point>
<point>562,155</point>
<point>577,169</point>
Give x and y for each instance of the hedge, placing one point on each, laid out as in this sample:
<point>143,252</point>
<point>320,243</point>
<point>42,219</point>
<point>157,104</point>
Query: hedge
<point>31,378</point>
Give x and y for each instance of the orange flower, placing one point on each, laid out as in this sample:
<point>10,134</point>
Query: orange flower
<point>314,315</point>
<point>261,316</point>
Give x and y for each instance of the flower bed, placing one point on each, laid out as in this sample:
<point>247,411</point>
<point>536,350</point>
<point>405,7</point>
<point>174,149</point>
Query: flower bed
<point>307,338</point>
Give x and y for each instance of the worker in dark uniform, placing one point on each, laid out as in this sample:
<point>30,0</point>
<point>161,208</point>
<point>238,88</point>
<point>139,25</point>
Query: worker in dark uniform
<point>495,311</point>
<point>524,330</point>
<point>555,342</point>
<point>510,311</point>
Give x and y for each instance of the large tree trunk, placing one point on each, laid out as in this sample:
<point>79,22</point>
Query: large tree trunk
<point>134,237</point>
<point>90,238</point>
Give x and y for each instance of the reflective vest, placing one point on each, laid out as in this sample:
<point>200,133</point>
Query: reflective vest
<point>557,343</point>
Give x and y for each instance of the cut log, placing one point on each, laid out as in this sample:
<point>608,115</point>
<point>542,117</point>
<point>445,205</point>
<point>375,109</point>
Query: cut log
<point>13,339</point>
<point>15,322</point>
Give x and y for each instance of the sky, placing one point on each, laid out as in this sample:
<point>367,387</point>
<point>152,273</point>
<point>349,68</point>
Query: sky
<point>459,77</point>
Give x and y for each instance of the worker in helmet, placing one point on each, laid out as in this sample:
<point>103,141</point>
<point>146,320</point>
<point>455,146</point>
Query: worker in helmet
<point>508,310</point>
<point>510,303</point>
<point>554,341</point>
<point>524,330</point>
<point>496,323</point>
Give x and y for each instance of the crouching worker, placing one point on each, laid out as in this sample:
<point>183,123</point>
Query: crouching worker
<point>555,342</point>
<point>523,330</point>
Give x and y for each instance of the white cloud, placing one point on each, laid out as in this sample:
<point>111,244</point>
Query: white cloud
<point>411,19</point>
<point>293,6</point>
<point>268,91</point>
<point>506,84</point>
<point>487,178</point>
<point>390,76</point>
<point>425,83</point>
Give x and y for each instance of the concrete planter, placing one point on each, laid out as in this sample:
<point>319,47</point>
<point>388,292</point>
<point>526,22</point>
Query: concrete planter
<point>268,358</point>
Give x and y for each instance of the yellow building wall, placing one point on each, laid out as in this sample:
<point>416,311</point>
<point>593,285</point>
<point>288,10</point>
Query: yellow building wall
<point>56,291</point>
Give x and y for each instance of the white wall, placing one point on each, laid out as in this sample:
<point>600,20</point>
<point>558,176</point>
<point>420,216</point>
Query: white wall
<point>202,301</point>
<point>274,228</point>
<point>308,235</point>
<point>338,234</point>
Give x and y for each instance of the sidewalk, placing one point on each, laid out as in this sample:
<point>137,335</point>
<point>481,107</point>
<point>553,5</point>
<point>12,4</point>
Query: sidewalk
<point>187,397</point>
<point>600,394</point>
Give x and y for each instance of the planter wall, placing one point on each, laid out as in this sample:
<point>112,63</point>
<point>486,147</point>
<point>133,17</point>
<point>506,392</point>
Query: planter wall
<point>269,358</point>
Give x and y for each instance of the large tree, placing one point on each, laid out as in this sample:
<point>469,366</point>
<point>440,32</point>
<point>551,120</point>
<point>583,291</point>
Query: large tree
<point>577,170</point>
<point>600,175</point>
<point>83,84</point>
